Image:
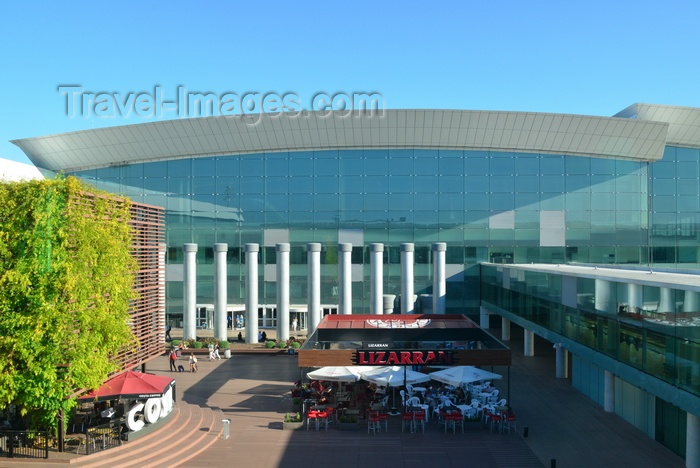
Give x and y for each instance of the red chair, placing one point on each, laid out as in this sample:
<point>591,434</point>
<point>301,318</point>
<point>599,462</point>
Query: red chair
<point>454,419</point>
<point>419,417</point>
<point>407,420</point>
<point>374,424</point>
<point>509,422</point>
<point>312,415</point>
<point>322,417</point>
<point>496,420</point>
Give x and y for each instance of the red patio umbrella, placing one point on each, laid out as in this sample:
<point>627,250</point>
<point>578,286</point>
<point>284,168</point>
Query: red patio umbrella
<point>130,385</point>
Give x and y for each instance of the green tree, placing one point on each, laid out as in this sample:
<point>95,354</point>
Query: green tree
<point>66,277</point>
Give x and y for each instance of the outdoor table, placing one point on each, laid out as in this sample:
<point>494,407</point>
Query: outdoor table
<point>420,389</point>
<point>484,397</point>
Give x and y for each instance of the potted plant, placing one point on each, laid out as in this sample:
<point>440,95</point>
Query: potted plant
<point>348,423</point>
<point>292,421</point>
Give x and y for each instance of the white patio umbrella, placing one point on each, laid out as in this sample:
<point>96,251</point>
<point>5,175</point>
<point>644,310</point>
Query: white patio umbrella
<point>460,375</point>
<point>336,373</point>
<point>394,376</point>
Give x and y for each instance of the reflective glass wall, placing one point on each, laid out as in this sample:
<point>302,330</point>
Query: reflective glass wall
<point>500,207</point>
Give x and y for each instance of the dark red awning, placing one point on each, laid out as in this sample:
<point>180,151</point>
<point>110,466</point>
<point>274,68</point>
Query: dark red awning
<point>132,385</point>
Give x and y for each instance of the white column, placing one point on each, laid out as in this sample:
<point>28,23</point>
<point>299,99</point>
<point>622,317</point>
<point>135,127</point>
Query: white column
<point>439,287</point>
<point>313,261</point>
<point>603,297</point>
<point>692,440</point>
<point>609,392</point>
<point>251,293</point>
<point>528,343</point>
<point>634,296</point>
<point>562,364</point>
<point>408,300</point>
<point>189,292</point>
<point>667,303</point>
<point>345,279</point>
<point>505,329</point>
<point>690,301</point>
<point>376,260</point>
<point>282,291</point>
<point>220,292</point>
<point>484,317</point>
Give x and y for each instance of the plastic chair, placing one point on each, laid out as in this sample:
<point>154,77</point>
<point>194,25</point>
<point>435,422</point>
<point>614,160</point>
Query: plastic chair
<point>373,423</point>
<point>496,420</point>
<point>419,417</point>
<point>311,416</point>
<point>407,421</point>
<point>509,422</point>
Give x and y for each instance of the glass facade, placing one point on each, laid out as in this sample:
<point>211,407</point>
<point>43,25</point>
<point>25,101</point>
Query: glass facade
<point>504,207</point>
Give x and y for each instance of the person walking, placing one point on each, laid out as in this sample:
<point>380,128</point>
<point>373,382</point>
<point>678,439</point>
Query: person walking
<point>216,352</point>
<point>193,363</point>
<point>294,325</point>
<point>173,358</point>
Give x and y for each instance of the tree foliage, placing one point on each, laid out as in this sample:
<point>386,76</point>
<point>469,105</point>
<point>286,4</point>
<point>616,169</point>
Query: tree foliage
<point>66,277</point>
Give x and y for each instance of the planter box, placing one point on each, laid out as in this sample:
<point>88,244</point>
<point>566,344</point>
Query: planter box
<point>291,426</point>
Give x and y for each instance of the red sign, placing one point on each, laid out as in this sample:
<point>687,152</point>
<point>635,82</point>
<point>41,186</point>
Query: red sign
<point>403,358</point>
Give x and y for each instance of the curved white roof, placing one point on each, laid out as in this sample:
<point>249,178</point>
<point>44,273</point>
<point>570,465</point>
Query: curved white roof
<point>684,122</point>
<point>444,129</point>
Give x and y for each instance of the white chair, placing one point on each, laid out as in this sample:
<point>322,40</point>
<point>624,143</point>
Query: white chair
<point>413,401</point>
<point>409,388</point>
<point>403,397</point>
<point>501,402</point>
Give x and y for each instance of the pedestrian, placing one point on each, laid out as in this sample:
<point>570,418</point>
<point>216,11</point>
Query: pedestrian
<point>167,333</point>
<point>216,352</point>
<point>193,363</point>
<point>211,351</point>
<point>264,337</point>
<point>294,325</point>
<point>240,337</point>
<point>173,358</point>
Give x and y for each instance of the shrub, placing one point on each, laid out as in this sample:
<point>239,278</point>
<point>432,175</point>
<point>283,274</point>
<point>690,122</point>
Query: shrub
<point>223,344</point>
<point>348,419</point>
<point>269,344</point>
<point>295,345</point>
<point>281,344</point>
<point>175,343</point>
<point>292,417</point>
<point>197,345</point>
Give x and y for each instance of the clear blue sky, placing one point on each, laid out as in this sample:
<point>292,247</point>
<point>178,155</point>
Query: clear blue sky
<point>594,57</point>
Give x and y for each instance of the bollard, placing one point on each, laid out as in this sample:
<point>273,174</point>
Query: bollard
<point>525,431</point>
<point>227,425</point>
<point>553,463</point>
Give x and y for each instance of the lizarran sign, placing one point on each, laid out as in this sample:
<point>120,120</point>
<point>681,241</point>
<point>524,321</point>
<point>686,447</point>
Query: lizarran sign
<point>440,357</point>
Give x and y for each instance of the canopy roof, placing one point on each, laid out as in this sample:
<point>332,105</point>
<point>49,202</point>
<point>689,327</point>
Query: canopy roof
<point>340,339</point>
<point>130,385</point>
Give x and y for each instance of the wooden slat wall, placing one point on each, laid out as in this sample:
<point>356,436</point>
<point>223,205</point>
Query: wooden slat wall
<point>147,312</point>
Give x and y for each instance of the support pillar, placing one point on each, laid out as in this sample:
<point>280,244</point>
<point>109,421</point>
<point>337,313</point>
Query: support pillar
<point>345,279</point>
<point>690,301</point>
<point>603,297</point>
<point>408,300</point>
<point>528,343</point>
<point>251,293</point>
<point>667,301</point>
<point>376,295</point>
<point>282,291</point>
<point>634,296</point>
<point>692,440</point>
<point>439,287</point>
<point>313,261</point>
<point>484,317</point>
<point>189,292</point>
<point>562,361</point>
<point>220,292</point>
<point>505,329</point>
<point>609,392</point>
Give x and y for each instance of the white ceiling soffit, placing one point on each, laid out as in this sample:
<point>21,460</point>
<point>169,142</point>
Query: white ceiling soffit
<point>648,277</point>
<point>684,122</point>
<point>438,129</point>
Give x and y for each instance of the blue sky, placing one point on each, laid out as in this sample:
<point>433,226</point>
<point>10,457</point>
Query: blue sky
<point>594,57</point>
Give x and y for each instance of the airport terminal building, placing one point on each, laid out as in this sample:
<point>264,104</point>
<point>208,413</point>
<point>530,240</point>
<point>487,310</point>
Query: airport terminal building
<point>582,230</point>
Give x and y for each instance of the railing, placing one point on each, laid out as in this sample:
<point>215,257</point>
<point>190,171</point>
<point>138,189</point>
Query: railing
<point>103,437</point>
<point>24,444</point>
